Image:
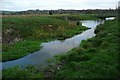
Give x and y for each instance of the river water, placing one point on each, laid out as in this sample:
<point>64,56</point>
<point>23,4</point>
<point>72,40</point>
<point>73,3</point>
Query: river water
<point>53,48</point>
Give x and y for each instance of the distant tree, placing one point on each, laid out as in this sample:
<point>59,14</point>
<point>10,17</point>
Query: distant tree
<point>50,12</point>
<point>37,10</point>
<point>78,23</point>
<point>61,13</point>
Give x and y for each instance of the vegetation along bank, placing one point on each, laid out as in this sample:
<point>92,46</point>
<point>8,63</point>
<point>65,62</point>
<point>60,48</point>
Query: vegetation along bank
<point>96,57</point>
<point>23,35</point>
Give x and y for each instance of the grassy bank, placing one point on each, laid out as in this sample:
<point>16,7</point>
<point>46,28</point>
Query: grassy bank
<point>23,35</point>
<point>96,57</point>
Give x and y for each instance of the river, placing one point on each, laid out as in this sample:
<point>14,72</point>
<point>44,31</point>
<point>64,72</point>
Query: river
<point>56,47</point>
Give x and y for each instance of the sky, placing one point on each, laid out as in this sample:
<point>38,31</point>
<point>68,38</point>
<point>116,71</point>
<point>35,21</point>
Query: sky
<point>22,5</point>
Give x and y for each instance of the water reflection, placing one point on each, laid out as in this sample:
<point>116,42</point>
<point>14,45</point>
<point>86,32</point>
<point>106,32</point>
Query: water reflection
<point>110,18</point>
<point>55,47</point>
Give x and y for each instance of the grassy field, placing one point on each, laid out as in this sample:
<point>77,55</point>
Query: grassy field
<point>77,17</point>
<point>96,57</point>
<point>23,35</point>
<point>60,16</point>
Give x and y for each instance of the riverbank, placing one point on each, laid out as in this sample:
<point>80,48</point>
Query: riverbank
<point>94,58</point>
<point>23,35</point>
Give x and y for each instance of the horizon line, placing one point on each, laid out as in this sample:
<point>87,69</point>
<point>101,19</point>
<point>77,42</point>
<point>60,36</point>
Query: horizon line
<point>61,9</point>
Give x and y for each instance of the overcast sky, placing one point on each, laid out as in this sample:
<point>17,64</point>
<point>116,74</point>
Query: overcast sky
<point>20,5</point>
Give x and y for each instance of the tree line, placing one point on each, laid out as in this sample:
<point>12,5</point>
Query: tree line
<point>61,11</point>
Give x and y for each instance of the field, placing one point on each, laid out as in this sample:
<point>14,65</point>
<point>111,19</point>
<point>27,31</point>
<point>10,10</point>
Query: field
<point>96,57</point>
<point>23,35</point>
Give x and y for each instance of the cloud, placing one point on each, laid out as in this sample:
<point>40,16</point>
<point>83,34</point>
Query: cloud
<point>18,5</point>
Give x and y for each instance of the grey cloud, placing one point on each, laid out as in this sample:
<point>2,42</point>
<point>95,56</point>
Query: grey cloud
<point>18,5</point>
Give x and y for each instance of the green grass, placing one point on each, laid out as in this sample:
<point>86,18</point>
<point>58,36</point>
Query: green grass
<point>23,35</point>
<point>17,72</point>
<point>95,58</point>
<point>20,49</point>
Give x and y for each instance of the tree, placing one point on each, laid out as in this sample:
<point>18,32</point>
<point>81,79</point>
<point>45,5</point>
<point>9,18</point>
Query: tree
<point>50,12</point>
